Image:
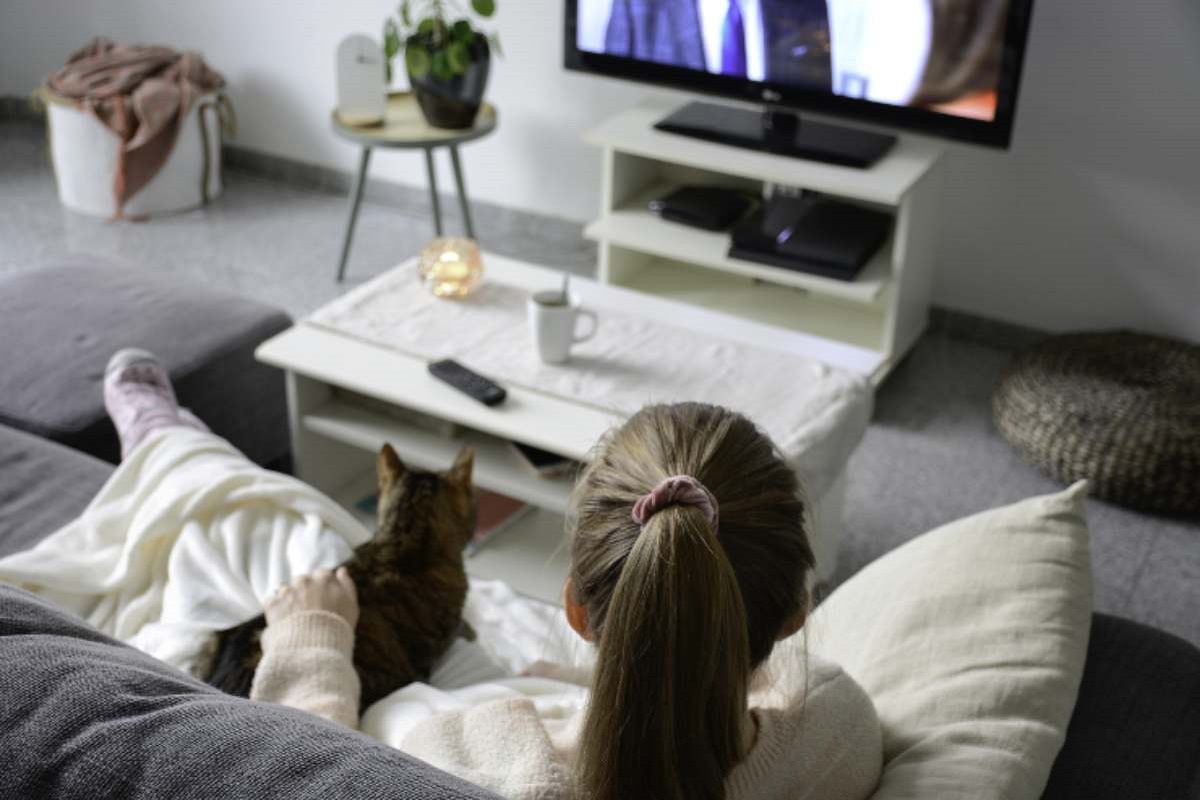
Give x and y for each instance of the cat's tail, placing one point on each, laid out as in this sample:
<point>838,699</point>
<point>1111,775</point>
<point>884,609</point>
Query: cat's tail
<point>238,653</point>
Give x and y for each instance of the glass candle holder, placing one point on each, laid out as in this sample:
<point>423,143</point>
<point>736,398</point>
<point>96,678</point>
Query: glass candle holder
<point>451,266</point>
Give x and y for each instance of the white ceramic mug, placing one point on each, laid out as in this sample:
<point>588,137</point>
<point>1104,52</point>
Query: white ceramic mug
<point>553,325</point>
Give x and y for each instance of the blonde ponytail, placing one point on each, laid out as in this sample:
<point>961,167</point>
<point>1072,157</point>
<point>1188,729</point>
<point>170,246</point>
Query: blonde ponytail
<point>681,613</point>
<point>669,690</point>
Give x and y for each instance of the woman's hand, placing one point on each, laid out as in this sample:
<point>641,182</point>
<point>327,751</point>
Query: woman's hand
<point>321,591</point>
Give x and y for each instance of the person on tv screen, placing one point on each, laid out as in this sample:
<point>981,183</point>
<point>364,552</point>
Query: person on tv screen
<point>783,41</point>
<point>941,54</point>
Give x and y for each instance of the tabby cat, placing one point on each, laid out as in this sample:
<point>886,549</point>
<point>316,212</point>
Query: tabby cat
<point>410,580</point>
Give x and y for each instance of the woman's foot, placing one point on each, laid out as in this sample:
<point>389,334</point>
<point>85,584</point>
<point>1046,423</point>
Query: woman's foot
<point>140,399</point>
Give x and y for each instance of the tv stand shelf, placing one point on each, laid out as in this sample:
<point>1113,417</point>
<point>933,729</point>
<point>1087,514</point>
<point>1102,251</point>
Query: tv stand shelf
<point>885,309</point>
<point>633,225</point>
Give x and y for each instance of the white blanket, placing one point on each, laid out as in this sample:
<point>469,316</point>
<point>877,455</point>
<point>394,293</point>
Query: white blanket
<point>188,537</point>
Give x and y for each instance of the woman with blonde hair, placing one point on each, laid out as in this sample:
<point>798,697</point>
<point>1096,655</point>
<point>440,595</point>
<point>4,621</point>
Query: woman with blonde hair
<point>690,560</point>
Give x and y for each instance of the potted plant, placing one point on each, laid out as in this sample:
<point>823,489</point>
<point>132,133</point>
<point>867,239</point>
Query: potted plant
<point>446,57</point>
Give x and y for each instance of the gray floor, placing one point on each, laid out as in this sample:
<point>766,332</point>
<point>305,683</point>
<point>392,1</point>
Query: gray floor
<point>930,456</point>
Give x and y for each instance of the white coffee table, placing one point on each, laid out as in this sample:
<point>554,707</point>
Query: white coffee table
<point>334,441</point>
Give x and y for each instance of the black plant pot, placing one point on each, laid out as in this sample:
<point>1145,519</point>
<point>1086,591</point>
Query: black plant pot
<point>454,103</point>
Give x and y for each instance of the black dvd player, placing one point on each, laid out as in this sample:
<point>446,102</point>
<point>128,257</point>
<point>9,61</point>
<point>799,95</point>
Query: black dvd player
<point>812,233</point>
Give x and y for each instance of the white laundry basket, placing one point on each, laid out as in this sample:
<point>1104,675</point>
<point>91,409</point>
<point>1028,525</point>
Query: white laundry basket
<point>84,153</point>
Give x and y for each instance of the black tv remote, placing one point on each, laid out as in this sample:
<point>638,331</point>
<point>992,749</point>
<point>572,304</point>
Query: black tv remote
<point>471,383</point>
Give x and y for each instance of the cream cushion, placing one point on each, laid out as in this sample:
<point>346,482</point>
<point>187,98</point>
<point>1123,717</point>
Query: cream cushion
<point>970,640</point>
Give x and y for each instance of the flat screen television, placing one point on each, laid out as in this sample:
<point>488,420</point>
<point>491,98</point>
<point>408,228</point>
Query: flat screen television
<point>945,67</point>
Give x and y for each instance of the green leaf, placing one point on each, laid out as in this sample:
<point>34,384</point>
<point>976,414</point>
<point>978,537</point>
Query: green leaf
<point>405,14</point>
<point>458,57</point>
<point>426,26</point>
<point>484,8</point>
<point>391,39</point>
<point>462,31</point>
<point>441,66</point>
<point>416,58</point>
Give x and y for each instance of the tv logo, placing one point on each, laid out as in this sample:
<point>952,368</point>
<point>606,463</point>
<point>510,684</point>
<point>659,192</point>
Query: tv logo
<point>854,85</point>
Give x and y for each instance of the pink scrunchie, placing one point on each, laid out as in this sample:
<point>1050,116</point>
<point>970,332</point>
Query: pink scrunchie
<point>677,490</point>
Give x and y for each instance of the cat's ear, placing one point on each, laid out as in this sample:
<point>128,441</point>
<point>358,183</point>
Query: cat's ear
<point>460,470</point>
<point>389,467</point>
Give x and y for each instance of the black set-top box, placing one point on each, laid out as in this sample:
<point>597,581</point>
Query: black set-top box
<point>713,208</point>
<point>812,233</point>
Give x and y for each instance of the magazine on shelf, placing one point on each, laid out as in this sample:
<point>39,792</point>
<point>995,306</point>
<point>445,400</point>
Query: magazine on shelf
<point>495,513</point>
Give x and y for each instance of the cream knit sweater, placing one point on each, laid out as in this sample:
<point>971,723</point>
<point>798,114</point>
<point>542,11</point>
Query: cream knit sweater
<point>825,744</point>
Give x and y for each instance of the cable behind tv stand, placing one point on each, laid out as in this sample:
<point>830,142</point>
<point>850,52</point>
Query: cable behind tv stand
<point>780,132</point>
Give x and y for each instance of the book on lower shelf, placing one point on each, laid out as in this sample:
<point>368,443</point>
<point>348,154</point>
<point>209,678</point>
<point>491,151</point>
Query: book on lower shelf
<point>494,514</point>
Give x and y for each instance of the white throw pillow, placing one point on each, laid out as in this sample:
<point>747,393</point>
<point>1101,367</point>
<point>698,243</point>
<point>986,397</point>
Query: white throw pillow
<point>970,640</point>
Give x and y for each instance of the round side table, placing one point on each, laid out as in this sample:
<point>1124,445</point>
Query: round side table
<point>404,128</point>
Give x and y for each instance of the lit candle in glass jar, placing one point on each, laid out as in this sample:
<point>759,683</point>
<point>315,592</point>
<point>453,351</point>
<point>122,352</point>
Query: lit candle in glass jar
<point>451,266</point>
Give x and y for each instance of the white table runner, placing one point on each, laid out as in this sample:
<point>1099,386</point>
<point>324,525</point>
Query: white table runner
<point>816,414</point>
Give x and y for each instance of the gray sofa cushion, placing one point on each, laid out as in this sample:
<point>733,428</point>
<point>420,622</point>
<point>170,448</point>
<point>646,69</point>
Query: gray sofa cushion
<point>1136,727</point>
<point>82,716</point>
<point>61,323</point>
<point>43,486</point>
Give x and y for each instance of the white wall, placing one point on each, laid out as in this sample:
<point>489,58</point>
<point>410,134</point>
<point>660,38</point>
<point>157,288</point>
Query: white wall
<point>278,60</point>
<point>1092,219</point>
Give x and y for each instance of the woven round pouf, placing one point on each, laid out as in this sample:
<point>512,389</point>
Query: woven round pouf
<point>1120,409</point>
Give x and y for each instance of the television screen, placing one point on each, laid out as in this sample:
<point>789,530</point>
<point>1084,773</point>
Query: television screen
<point>948,66</point>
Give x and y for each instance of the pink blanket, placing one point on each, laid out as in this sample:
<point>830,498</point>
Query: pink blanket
<point>142,94</point>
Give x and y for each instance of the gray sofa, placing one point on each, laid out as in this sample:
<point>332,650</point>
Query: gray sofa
<point>59,324</point>
<point>84,716</point>
<point>75,705</point>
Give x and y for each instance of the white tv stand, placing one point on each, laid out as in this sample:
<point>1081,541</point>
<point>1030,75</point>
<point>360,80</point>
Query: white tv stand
<point>883,311</point>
